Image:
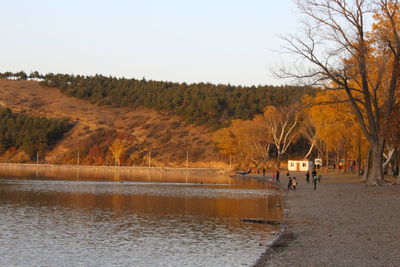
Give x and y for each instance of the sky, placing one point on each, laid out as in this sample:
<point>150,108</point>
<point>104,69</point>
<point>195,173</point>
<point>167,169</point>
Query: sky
<point>218,41</point>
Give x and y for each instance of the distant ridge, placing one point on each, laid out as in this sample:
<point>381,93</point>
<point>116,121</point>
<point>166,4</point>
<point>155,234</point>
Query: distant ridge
<point>199,103</point>
<point>167,138</point>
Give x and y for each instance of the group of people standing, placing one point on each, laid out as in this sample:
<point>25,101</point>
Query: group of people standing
<point>315,178</point>
<point>292,182</point>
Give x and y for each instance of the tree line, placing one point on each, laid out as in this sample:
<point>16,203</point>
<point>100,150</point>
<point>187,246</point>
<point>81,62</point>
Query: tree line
<point>31,134</point>
<point>350,49</point>
<point>318,126</point>
<point>199,103</point>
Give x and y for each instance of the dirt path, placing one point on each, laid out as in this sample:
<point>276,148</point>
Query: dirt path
<point>342,223</point>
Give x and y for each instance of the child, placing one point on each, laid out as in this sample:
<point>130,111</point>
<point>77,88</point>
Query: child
<point>289,186</point>
<point>308,177</point>
<point>315,180</point>
<point>294,183</point>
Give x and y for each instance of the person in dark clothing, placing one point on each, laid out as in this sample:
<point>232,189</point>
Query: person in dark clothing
<point>315,180</point>
<point>308,177</point>
<point>313,174</point>
<point>277,174</point>
<point>263,170</point>
<point>289,186</point>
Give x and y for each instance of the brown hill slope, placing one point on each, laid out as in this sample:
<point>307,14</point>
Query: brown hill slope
<point>96,127</point>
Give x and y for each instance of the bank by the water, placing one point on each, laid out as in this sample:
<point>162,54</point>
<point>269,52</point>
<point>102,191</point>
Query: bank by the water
<point>112,169</point>
<point>342,223</point>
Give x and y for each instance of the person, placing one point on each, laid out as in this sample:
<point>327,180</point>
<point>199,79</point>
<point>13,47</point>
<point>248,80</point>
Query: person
<point>263,170</point>
<point>289,186</point>
<point>313,174</point>
<point>319,178</point>
<point>277,175</point>
<point>294,183</point>
<point>315,180</point>
<point>308,176</point>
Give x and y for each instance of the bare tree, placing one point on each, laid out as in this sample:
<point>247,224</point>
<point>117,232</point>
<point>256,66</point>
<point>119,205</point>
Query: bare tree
<point>339,50</point>
<point>309,132</point>
<point>282,124</point>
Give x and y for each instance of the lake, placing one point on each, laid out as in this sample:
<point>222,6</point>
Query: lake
<point>90,220</point>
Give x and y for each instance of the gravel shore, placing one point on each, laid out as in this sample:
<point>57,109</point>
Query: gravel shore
<point>342,223</point>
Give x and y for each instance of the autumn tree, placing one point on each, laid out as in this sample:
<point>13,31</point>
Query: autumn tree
<point>253,140</point>
<point>117,149</point>
<point>339,51</point>
<point>226,141</point>
<point>245,140</point>
<point>335,125</point>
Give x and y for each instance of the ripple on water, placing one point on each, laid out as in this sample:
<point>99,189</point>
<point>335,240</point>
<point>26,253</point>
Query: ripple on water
<point>70,224</point>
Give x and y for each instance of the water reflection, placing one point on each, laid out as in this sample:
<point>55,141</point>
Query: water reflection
<point>144,221</point>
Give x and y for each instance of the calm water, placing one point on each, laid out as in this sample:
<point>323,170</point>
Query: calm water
<point>77,220</point>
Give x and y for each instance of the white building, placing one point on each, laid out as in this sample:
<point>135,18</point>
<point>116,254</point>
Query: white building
<point>300,165</point>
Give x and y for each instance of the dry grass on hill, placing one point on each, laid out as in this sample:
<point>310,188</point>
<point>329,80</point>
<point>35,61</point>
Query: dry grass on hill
<point>168,137</point>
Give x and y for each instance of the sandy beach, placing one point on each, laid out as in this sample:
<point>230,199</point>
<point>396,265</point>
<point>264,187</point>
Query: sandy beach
<point>342,223</point>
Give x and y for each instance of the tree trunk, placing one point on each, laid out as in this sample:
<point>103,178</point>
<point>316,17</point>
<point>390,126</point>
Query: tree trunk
<point>373,170</point>
<point>327,159</point>
<point>397,165</point>
<point>366,166</point>
<point>388,161</point>
<point>310,150</point>
<point>267,148</point>
<point>338,159</point>
<point>278,160</point>
<point>359,155</point>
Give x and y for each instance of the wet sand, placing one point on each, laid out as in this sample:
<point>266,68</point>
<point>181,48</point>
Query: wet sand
<point>342,223</point>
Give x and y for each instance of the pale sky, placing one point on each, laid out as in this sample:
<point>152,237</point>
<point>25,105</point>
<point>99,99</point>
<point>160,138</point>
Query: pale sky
<point>218,41</point>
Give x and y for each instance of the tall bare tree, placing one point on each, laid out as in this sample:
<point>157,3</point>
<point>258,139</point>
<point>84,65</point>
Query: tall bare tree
<point>310,133</point>
<point>283,124</point>
<point>354,46</point>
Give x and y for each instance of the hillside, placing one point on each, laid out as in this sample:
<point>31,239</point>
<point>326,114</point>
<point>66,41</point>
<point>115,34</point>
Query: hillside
<point>213,105</point>
<point>96,127</point>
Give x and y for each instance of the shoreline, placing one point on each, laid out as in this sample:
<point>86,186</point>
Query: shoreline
<point>284,236</point>
<point>112,169</point>
<point>342,223</point>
